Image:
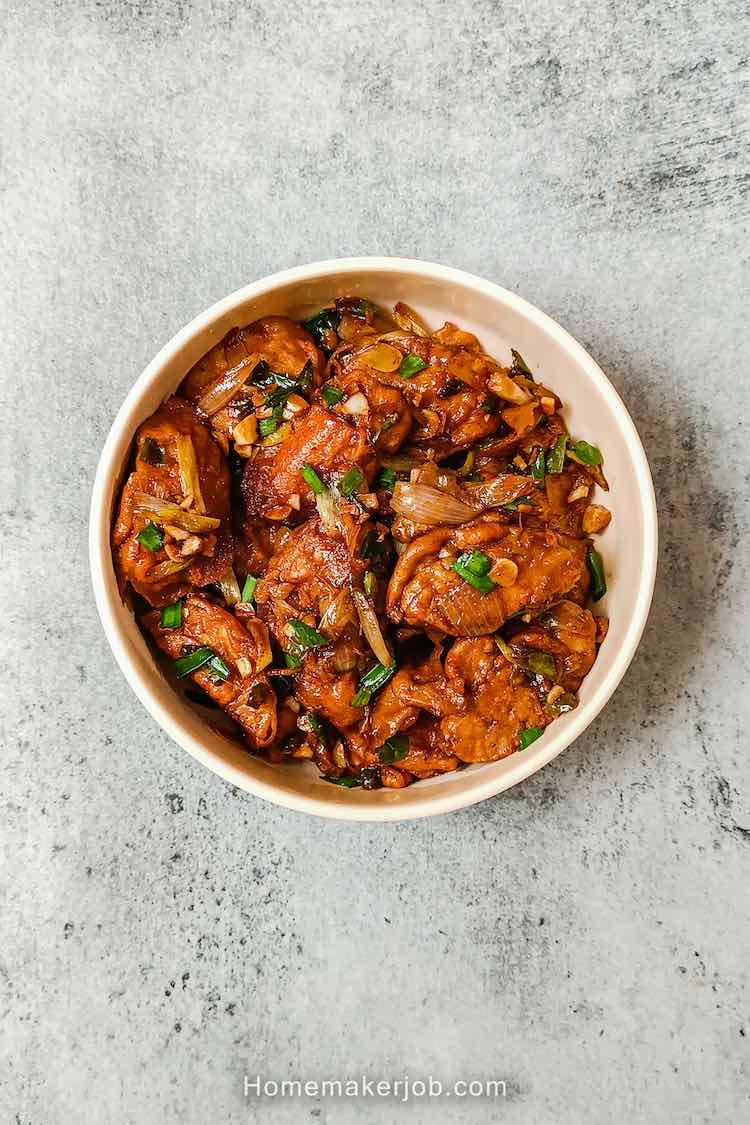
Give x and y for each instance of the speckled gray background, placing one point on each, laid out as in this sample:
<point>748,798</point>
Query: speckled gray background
<point>585,936</point>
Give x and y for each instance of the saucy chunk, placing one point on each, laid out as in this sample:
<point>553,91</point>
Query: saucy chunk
<point>172,527</point>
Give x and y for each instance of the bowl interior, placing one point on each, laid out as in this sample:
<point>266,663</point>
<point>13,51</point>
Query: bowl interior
<point>592,410</point>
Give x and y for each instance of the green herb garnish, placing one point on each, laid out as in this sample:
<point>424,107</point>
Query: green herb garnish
<point>151,537</point>
<point>151,452</point>
<point>293,657</point>
<point>473,567</point>
<point>351,481</point>
<point>267,426</point>
<point>596,569</point>
<point>311,478</point>
<point>344,782</point>
<point>541,663</point>
<point>520,363</point>
<point>387,480</point>
<point>556,455</point>
<point>538,467</point>
<point>171,616</point>
<point>327,320</point>
<point>332,395</point>
<point>198,658</point>
<point>526,737</point>
<point>394,749</point>
<point>589,454</point>
<point>410,366</point>
<point>370,682</point>
<point>306,635</point>
<point>248,590</point>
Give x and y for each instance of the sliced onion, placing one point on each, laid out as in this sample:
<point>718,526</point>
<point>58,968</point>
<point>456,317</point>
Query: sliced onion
<point>188,465</point>
<point>357,404</point>
<point>504,386</point>
<point>225,388</point>
<point>230,587</point>
<point>470,614</point>
<point>371,628</point>
<point>337,615</point>
<point>407,319</point>
<point>259,633</point>
<point>382,357</point>
<point>429,506</point>
<point>162,510</point>
<point>166,569</point>
<point>326,506</point>
<point>500,490</point>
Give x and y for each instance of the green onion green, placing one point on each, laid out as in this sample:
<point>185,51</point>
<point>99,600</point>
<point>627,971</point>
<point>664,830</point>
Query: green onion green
<point>151,452</point>
<point>306,635</point>
<point>332,395</point>
<point>541,663</point>
<point>520,363</point>
<point>373,679</point>
<point>151,537</point>
<point>556,455</point>
<point>311,478</point>
<point>344,782</point>
<point>589,454</point>
<point>410,366</point>
<point>370,583</point>
<point>473,566</point>
<point>538,467</point>
<point>171,616</point>
<point>394,749</point>
<point>248,590</point>
<point>596,569</point>
<point>267,426</point>
<point>351,481</point>
<point>198,658</point>
<point>292,657</point>
<point>526,737</point>
<point>387,480</point>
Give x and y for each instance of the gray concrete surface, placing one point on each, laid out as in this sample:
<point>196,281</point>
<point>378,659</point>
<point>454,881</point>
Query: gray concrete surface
<point>584,937</point>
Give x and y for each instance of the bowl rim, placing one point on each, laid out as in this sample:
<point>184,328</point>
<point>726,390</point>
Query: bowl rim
<point>432,803</point>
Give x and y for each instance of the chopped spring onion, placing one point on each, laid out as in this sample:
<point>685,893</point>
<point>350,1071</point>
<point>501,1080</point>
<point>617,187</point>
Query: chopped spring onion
<point>230,587</point>
<point>538,467</point>
<point>468,465</point>
<point>519,502</point>
<point>394,749</point>
<point>526,737</point>
<point>152,537</point>
<point>370,583</point>
<point>171,616</point>
<point>470,566</point>
<point>372,547</point>
<point>360,308</point>
<point>308,474</point>
<point>596,570</point>
<point>370,682</point>
<point>387,480</point>
<point>410,366</point>
<point>351,481</point>
<point>151,452</point>
<point>292,657</point>
<point>588,454</point>
<point>556,455</point>
<point>490,404</point>
<point>541,663</point>
<point>154,508</point>
<point>562,704</point>
<point>267,426</point>
<point>306,635</point>
<point>332,395</point>
<point>313,722</point>
<point>248,590</point>
<point>344,782</point>
<point>327,320</point>
<point>190,481</point>
<point>520,363</point>
<point>198,658</point>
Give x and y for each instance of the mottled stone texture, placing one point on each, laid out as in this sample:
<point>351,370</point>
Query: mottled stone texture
<point>583,937</point>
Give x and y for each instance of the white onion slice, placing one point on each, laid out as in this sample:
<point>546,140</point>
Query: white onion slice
<point>357,404</point>
<point>371,628</point>
<point>430,506</point>
<point>188,466</point>
<point>326,506</point>
<point>407,319</point>
<point>230,587</point>
<point>162,510</point>
<point>504,386</point>
<point>225,388</point>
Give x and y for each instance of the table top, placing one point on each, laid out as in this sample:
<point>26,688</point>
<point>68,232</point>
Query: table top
<point>582,938</point>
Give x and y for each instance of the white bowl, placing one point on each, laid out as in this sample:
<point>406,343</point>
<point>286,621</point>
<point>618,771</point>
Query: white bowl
<point>592,410</point>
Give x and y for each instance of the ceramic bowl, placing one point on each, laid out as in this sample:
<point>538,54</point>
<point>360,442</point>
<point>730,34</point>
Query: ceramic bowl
<point>592,409</point>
